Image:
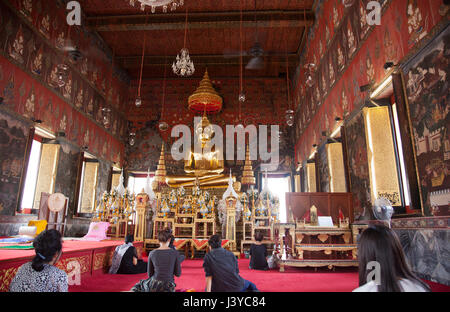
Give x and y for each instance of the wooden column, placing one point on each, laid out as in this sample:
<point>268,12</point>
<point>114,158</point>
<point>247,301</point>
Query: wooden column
<point>407,141</point>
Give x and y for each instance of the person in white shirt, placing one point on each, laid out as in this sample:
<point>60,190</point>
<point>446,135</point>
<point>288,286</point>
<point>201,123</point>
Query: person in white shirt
<point>380,247</point>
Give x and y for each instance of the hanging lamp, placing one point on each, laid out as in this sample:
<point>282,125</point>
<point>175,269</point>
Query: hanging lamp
<point>183,65</point>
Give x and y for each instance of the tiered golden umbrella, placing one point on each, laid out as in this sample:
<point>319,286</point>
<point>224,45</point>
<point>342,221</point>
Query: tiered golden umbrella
<point>205,99</point>
<point>248,176</point>
<point>160,174</point>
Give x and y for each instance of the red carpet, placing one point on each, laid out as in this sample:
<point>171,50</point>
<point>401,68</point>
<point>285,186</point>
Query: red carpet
<point>292,280</point>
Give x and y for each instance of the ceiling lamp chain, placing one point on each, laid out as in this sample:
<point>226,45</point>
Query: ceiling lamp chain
<point>138,101</point>
<point>241,87</point>
<point>183,65</point>
<point>165,4</point>
<point>289,111</point>
<point>163,126</point>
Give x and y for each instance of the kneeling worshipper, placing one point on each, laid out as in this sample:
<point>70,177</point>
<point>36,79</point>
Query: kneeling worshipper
<point>125,259</point>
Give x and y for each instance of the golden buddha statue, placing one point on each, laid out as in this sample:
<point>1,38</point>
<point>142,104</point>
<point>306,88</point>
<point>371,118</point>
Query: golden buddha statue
<point>204,167</point>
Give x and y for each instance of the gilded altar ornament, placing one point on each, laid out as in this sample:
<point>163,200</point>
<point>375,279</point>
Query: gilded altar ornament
<point>165,210</point>
<point>204,210</point>
<point>248,177</point>
<point>245,204</point>
<point>261,209</point>
<point>186,207</point>
<point>275,209</point>
<point>173,199</point>
<point>229,212</point>
<point>210,206</point>
<point>160,174</point>
<point>205,98</point>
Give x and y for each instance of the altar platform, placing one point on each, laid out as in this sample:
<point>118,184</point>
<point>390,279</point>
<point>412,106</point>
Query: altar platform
<point>91,258</point>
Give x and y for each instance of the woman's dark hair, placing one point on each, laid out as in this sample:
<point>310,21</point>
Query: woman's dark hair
<point>129,239</point>
<point>259,236</point>
<point>46,245</point>
<point>215,241</point>
<point>379,243</point>
<point>164,235</point>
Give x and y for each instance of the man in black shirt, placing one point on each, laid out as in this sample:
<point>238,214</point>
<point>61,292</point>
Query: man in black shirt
<point>222,270</point>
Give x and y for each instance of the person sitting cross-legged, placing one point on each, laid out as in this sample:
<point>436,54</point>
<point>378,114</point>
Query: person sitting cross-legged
<point>125,259</point>
<point>222,271</point>
<point>163,264</point>
<point>258,254</point>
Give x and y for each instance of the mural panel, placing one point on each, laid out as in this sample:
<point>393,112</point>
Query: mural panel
<point>13,143</point>
<point>358,165</point>
<point>426,79</point>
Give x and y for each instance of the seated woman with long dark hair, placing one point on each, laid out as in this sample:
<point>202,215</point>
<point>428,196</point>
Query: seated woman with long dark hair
<point>163,264</point>
<point>41,274</point>
<point>125,259</point>
<point>380,245</point>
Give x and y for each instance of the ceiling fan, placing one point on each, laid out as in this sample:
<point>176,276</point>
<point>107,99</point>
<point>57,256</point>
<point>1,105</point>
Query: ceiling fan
<point>72,50</point>
<point>256,51</point>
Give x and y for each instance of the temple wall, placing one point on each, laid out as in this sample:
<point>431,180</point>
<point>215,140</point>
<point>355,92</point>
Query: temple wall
<point>32,50</point>
<point>349,54</point>
<point>34,34</point>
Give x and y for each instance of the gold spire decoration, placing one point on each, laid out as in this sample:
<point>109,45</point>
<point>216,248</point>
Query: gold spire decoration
<point>160,174</point>
<point>205,99</point>
<point>247,175</point>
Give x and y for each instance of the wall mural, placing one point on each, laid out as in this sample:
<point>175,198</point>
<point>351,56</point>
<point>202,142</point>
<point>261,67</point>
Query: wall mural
<point>29,62</point>
<point>265,103</point>
<point>324,172</point>
<point>358,165</point>
<point>352,55</point>
<point>13,143</point>
<point>426,79</point>
<point>103,175</point>
<point>145,153</point>
<point>66,176</point>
